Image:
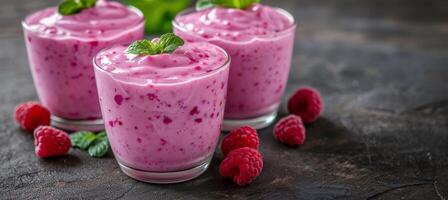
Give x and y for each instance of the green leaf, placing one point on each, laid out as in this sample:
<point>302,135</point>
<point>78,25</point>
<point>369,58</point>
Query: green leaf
<point>101,134</point>
<point>167,43</point>
<point>82,139</point>
<point>204,4</point>
<point>100,147</point>
<point>70,7</point>
<point>142,47</point>
<point>159,13</point>
<point>88,3</point>
<point>239,4</point>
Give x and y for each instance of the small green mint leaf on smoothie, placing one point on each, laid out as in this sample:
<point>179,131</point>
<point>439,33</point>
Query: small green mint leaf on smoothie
<point>70,7</point>
<point>204,4</point>
<point>142,47</point>
<point>239,4</point>
<point>100,146</point>
<point>167,43</point>
<point>82,139</point>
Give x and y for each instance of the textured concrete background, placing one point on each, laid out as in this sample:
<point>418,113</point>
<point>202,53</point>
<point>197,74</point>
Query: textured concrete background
<point>381,66</point>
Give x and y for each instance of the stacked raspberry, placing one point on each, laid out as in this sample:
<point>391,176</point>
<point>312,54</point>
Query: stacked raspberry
<point>305,106</point>
<point>243,162</point>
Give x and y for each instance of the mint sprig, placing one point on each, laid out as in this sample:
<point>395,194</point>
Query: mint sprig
<point>82,139</point>
<point>100,147</point>
<point>142,47</point>
<point>167,43</point>
<point>239,4</point>
<point>70,7</point>
<point>96,144</point>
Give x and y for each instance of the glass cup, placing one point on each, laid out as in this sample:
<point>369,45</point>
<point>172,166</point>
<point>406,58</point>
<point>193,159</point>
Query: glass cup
<point>258,73</point>
<point>163,132</point>
<point>61,66</point>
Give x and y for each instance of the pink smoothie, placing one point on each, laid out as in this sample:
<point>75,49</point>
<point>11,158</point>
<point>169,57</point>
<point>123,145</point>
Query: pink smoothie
<point>163,112</point>
<point>259,40</point>
<point>61,49</point>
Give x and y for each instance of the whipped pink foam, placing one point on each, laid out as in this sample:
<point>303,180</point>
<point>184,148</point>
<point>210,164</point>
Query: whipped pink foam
<point>235,24</point>
<point>102,21</point>
<point>188,61</point>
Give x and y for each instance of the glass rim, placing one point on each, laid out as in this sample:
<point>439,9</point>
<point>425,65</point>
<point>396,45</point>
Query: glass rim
<point>177,82</point>
<point>137,11</point>
<point>255,37</point>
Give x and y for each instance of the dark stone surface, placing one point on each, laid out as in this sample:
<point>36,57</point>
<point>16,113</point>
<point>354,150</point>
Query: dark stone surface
<point>381,66</point>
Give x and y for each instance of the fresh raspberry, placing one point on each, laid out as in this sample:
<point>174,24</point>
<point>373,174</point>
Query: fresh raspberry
<point>30,115</point>
<point>306,103</point>
<point>244,136</point>
<point>243,165</point>
<point>51,142</point>
<point>290,130</point>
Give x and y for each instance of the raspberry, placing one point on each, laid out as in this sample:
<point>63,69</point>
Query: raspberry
<point>30,115</point>
<point>51,142</point>
<point>243,165</point>
<point>290,130</point>
<point>244,136</point>
<point>306,103</point>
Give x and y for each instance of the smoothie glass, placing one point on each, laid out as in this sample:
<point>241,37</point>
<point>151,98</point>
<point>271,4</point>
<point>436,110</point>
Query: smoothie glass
<point>163,112</point>
<point>60,51</point>
<point>260,59</point>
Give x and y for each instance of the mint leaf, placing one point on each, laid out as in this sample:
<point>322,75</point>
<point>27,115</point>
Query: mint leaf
<point>96,144</point>
<point>142,47</point>
<point>70,7</point>
<point>167,43</point>
<point>100,147</point>
<point>204,4</point>
<point>239,4</point>
<point>82,139</point>
<point>101,134</point>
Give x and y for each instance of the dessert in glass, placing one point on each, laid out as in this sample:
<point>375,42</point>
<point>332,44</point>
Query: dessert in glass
<point>260,41</point>
<point>163,112</point>
<point>60,52</point>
